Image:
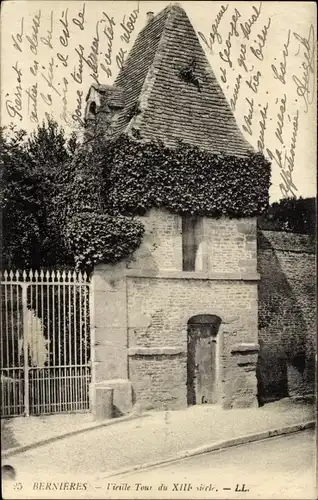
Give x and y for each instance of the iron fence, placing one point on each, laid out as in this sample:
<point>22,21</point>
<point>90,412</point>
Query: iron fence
<point>45,342</point>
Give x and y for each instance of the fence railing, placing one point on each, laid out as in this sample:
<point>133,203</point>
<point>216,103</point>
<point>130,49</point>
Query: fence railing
<point>45,341</point>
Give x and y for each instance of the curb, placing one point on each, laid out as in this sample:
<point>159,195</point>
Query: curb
<point>220,445</point>
<point>20,449</point>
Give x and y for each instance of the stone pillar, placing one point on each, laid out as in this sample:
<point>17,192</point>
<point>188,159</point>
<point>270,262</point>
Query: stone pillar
<point>110,356</point>
<point>244,380</point>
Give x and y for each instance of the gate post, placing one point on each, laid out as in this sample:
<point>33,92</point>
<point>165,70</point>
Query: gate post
<point>25,349</point>
<point>109,349</point>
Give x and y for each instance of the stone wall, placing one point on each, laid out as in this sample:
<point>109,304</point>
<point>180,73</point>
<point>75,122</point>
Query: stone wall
<point>143,306</point>
<point>161,248</point>
<point>228,245</point>
<point>287,314</point>
<point>167,304</point>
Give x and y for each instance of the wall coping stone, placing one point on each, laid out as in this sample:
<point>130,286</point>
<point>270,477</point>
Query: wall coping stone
<point>244,276</point>
<point>156,351</point>
<point>282,241</point>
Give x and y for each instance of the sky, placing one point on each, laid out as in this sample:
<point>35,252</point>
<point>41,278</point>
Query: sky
<point>263,56</point>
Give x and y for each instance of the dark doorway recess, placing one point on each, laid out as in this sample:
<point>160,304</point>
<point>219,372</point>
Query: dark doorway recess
<point>201,358</point>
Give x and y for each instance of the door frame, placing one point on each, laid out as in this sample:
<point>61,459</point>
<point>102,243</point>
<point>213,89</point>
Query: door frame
<point>215,322</point>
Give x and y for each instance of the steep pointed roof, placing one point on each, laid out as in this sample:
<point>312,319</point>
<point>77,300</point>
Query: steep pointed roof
<point>171,92</point>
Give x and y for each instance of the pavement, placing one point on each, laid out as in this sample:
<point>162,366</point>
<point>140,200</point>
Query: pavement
<point>76,442</point>
<point>22,433</point>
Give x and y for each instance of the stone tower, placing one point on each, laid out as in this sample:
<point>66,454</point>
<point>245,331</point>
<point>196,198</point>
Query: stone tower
<point>177,324</point>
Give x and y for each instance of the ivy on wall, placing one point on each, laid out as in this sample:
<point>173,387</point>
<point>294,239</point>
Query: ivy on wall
<point>98,237</point>
<point>115,181</point>
<point>185,180</point>
<point>94,234</point>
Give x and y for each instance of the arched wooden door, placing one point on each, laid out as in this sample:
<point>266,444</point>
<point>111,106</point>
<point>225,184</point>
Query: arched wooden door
<point>201,363</point>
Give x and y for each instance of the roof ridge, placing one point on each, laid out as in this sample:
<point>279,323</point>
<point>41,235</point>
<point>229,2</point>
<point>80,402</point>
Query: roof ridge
<point>148,25</point>
<point>150,78</point>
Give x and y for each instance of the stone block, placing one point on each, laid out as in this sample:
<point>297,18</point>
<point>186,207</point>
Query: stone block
<point>245,347</point>
<point>106,275</point>
<point>113,357</point>
<point>246,359</point>
<point>103,408</point>
<point>121,391</point>
<point>122,400</point>
<point>100,371</point>
<point>111,311</point>
<point>118,335</point>
<point>247,263</point>
<point>247,227</point>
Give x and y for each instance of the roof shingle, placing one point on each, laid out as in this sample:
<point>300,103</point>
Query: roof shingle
<point>161,103</point>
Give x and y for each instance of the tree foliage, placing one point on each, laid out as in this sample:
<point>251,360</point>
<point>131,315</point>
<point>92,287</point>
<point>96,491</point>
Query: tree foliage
<point>19,203</point>
<point>291,215</point>
<point>33,176</point>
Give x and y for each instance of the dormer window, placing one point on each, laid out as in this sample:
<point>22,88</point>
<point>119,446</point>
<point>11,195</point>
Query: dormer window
<point>92,108</point>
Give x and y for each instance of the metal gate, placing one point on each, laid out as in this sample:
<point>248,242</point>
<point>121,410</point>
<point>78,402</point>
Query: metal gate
<point>45,342</point>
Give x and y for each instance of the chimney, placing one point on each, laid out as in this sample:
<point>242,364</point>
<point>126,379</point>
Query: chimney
<point>150,16</point>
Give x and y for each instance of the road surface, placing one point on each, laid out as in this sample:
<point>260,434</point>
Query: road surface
<point>282,468</point>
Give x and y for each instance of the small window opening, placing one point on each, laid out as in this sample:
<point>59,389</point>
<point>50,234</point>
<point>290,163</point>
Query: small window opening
<point>92,108</point>
<point>192,244</point>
